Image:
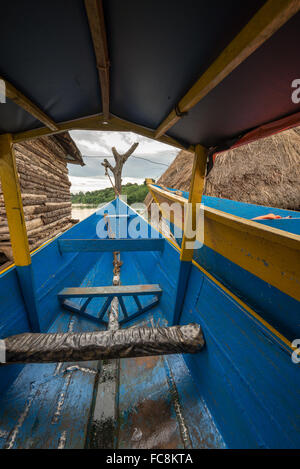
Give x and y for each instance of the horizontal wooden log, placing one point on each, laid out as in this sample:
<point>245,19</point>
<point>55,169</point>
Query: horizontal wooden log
<point>50,219</point>
<point>50,226</point>
<point>47,229</point>
<point>46,181</point>
<point>43,186</point>
<point>54,205</point>
<point>7,250</point>
<point>27,218</point>
<point>45,190</point>
<point>38,190</point>
<point>28,164</point>
<point>38,162</point>
<point>39,155</point>
<point>51,191</point>
<point>24,169</point>
<point>33,224</point>
<point>32,201</point>
<point>43,157</point>
<point>30,225</point>
<point>33,209</point>
<point>57,210</point>
<point>123,343</point>
<point>38,241</point>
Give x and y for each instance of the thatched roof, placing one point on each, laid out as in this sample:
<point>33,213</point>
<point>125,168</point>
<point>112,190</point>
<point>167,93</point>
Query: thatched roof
<point>178,174</point>
<point>73,155</point>
<point>265,172</point>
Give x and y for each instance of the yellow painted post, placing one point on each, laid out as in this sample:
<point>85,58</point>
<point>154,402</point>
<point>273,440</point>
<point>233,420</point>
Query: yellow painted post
<point>17,228</point>
<point>13,202</point>
<point>186,254</point>
<point>195,197</point>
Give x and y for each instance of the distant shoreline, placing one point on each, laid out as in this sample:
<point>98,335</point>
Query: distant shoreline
<point>83,206</point>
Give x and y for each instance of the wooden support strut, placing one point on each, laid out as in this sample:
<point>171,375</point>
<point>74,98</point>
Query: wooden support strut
<point>17,228</point>
<point>187,245</point>
<point>18,98</point>
<point>195,197</point>
<point>94,9</point>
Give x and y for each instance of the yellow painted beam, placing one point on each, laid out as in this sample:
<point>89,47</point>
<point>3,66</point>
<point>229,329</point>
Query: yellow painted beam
<point>13,202</point>
<point>149,181</point>
<point>18,98</point>
<point>272,255</point>
<point>94,122</point>
<point>98,122</point>
<point>195,197</point>
<point>94,9</point>
<point>163,195</point>
<point>174,216</point>
<point>273,15</point>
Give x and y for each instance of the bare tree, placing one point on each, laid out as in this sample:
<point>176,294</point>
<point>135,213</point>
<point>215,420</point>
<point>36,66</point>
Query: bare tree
<point>117,169</point>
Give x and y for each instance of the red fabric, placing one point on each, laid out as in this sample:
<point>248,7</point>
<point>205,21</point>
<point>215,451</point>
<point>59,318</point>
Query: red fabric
<point>270,216</point>
<point>267,130</point>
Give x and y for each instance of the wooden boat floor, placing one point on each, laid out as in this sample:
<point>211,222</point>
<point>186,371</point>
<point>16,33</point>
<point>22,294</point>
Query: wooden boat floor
<point>142,403</point>
<point>129,403</point>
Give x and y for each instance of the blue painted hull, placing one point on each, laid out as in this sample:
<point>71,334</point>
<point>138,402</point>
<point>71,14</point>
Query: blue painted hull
<point>241,391</point>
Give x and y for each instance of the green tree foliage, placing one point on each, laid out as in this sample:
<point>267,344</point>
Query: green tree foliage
<point>135,193</point>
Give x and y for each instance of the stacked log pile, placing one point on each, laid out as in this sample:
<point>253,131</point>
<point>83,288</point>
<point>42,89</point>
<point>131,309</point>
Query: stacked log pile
<point>45,189</point>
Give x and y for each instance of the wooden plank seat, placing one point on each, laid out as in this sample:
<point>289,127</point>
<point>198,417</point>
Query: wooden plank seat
<point>110,245</point>
<point>109,292</point>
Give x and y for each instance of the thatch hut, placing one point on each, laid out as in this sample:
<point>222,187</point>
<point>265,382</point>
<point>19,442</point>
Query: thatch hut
<point>265,172</point>
<point>45,189</point>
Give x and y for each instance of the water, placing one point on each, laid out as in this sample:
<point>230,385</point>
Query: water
<point>81,211</point>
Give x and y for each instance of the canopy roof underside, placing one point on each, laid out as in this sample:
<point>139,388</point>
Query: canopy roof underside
<point>157,50</point>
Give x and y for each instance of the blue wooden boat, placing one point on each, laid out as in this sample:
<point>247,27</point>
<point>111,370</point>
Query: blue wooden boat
<point>239,391</point>
<point>112,334</point>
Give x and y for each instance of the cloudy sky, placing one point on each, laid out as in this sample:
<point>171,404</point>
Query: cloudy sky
<point>150,159</point>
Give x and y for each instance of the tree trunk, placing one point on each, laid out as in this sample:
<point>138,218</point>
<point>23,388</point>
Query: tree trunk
<point>118,168</point>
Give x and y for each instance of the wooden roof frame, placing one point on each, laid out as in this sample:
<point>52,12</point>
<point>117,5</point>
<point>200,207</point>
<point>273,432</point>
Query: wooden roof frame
<point>270,17</point>
<point>273,15</point>
<point>98,122</point>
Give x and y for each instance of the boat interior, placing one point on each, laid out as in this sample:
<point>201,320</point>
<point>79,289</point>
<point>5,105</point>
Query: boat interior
<point>204,77</point>
<point>143,402</point>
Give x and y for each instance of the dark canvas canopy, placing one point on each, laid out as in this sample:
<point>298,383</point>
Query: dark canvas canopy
<point>157,50</point>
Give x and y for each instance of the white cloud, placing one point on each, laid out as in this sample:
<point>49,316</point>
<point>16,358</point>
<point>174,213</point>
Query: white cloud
<point>90,147</point>
<point>97,145</point>
<point>93,143</point>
